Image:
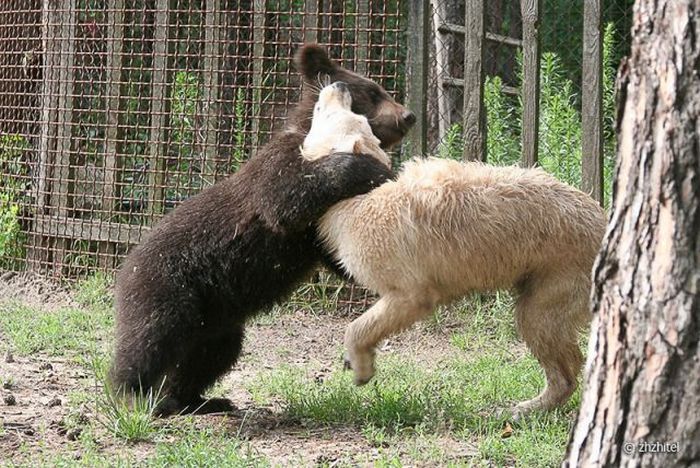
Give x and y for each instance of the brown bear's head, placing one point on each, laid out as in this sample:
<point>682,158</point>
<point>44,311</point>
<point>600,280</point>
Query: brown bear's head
<point>336,129</point>
<point>390,120</point>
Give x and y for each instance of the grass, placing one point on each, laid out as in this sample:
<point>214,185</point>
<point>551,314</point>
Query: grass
<point>128,419</point>
<point>73,331</point>
<point>465,395</point>
<point>94,292</point>
<point>462,397</point>
<point>443,410</point>
<point>206,448</point>
<point>184,446</point>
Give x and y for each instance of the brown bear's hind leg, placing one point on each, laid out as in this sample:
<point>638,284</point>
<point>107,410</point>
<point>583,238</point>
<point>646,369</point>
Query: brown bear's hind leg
<point>209,358</point>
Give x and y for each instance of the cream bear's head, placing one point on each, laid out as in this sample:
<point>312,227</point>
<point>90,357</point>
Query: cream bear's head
<point>336,129</point>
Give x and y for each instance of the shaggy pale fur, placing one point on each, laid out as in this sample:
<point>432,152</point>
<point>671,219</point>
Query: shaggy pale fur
<point>445,229</point>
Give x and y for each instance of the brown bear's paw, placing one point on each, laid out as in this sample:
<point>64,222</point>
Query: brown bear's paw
<point>211,405</point>
<point>171,406</point>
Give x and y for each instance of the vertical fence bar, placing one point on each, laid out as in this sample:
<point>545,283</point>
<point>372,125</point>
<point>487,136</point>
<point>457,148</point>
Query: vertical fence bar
<point>417,74</point>
<point>38,253</point>
<point>113,66</point>
<point>362,36</point>
<point>474,120</point>
<point>64,121</point>
<point>112,162</point>
<point>531,11</point>
<point>259,11</point>
<point>159,107</point>
<point>592,100</point>
<point>311,21</point>
<point>442,42</point>
<point>63,184</point>
<point>210,91</point>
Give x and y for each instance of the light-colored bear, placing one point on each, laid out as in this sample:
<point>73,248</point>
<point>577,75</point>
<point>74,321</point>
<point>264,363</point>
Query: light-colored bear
<point>444,229</point>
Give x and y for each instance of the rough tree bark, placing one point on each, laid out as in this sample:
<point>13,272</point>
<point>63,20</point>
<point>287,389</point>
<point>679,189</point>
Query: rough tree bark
<point>641,405</point>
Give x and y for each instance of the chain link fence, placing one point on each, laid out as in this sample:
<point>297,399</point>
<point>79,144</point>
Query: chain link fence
<point>112,112</point>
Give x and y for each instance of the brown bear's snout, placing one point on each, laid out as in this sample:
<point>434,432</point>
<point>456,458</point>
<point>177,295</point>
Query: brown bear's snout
<point>408,118</point>
<point>341,86</point>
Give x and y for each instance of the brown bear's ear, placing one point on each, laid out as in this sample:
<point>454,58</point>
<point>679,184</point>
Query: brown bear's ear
<point>312,60</point>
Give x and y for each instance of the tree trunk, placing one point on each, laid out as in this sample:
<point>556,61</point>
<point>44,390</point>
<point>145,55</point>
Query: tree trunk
<point>641,406</point>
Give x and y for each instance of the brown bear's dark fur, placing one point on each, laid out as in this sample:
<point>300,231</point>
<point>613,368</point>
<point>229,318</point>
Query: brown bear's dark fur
<point>183,296</point>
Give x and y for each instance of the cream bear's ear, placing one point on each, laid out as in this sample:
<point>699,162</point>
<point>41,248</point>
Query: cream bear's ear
<point>366,145</point>
<point>357,147</point>
<point>370,146</point>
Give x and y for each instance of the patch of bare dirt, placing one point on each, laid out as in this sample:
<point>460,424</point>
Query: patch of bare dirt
<point>34,406</point>
<point>34,291</point>
<point>303,338</point>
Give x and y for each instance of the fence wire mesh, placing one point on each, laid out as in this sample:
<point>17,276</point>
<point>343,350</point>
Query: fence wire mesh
<point>112,112</point>
<point>561,37</point>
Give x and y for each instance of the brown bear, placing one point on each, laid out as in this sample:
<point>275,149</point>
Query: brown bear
<point>444,229</point>
<point>184,294</point>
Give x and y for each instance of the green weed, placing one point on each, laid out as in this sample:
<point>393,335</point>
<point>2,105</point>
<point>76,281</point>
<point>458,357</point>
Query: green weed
<point>186,93</point>
<point>503,123</point>
<point>452,144</point>
<point>130,418</point>
<point>12,180</point>
<point>560,123</point>
<point>10,230</point>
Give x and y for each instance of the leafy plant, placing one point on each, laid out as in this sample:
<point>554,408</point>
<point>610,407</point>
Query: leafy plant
<point>12,179</point>
<point>560,123</point>
<point>502,117</point>
<point>452,145</point>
